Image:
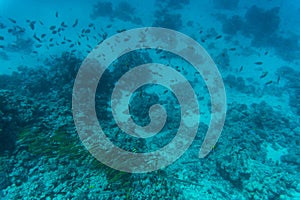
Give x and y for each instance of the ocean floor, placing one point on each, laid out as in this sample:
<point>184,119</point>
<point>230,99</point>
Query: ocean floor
<point>255,47</point>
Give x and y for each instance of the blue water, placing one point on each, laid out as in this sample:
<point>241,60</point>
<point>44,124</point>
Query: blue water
<point>45,154</point>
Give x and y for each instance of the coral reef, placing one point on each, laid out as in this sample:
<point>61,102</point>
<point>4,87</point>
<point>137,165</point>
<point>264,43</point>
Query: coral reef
<point>165,19</point>
<point>102,9</point>
<point>226,4</point>
<point>263,27</point>
<point>123,11</point>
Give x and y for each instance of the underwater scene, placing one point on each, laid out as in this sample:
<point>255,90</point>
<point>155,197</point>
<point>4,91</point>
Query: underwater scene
<point>150,99</point>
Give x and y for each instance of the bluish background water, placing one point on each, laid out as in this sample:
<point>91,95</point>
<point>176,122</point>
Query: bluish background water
<point>255,46</point>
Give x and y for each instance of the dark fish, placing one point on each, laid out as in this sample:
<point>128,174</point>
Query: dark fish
<point>89,46</point>
<point>36,37</point>
<point>63,25</point>
<point>159,50</point>
<point>278,79</point>
<point>1,47</point>
<point>109,25</point>
<point>91,25</point>
<point>52,28</point>
<point>232,49</point>
<point>38,45</point>
<point>54,32</point>
<point>202,40</point>
<point>68,40</point>
<point>1,38</point>
<point>51,39</point>
<point>258,63</point>
<point>51,45</point>
<point>87,31</point>
<point>41,22</point>
<point>71,45</point>
<point>63,42</point>
<point>78,43</point>
<point>266,53</point>
<point>75,23</point>
<point>268,83</point>
<point>73,50</point>
<point>241,68</point>
<point>200,32</point>
<point>43,35</point>
<point>141,93</point>
<point>35,52</point>
<point>165,91</point>
<point>56,14</point>
<point>263,75</point>
<point>32,25</point>
<point>121,30</point>
<point>2,26</point>
<point>12,20</point>
<point>218,37</point>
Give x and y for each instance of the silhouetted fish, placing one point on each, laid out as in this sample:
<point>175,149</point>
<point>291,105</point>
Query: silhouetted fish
<point>258,63</point>
<point>268,83</point>
<point>36,37</point>
<point>12,20</point>
<point>32,25</point>
<point>43,35</point>
<point>75,23</point>
<point>120,31</point>
<point>52,28</point>
<point>63,25</point>
<point>264,74</point>
<point>278,79</point>
<point>241,69</point>
<point>56,14</point>
<point>218,37</point>
<point>1,38</point>
<point>232,49</point>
